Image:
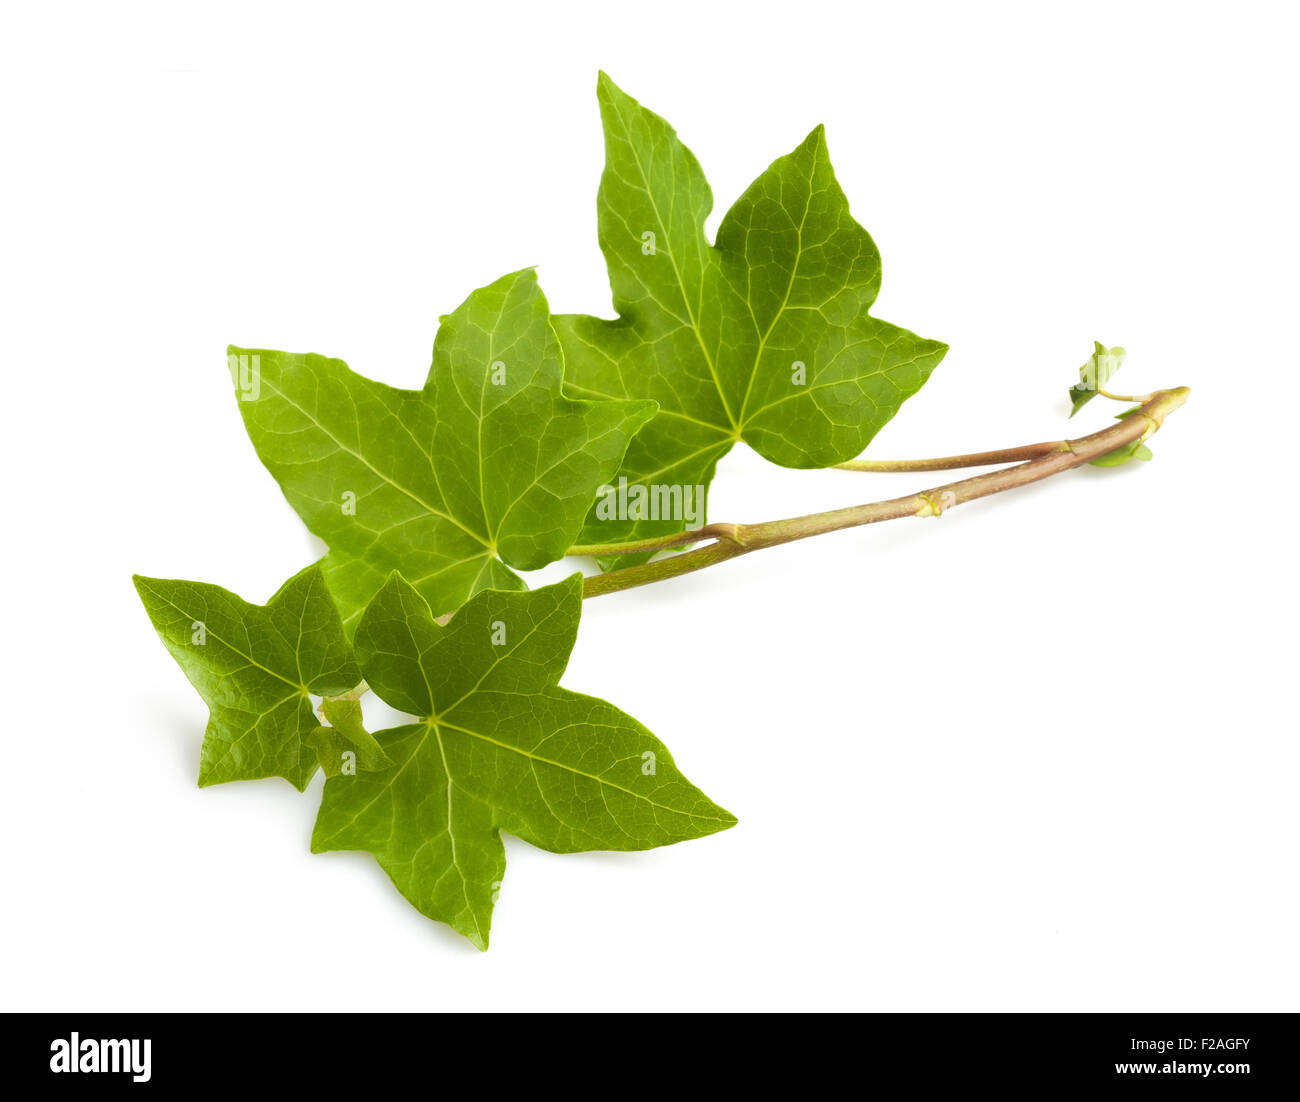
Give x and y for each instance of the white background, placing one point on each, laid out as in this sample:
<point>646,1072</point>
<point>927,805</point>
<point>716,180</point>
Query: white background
<point>1038,754</point>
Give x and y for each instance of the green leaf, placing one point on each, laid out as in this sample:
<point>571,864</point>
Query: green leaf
<point>256,666</point>
<point>489,466</point>
<point>1121,455</point>
<point>498,747</point>
<point>1095,374</point>
<point>346,735</point>
<point>763,337</point>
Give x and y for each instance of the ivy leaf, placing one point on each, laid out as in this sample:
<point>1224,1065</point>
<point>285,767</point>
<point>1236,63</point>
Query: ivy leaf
<point>763,337</point>
<point>346,734</point>
<point>499,747</point>
<point>1094,375</point>
<point>256,666</point>
<point>488,467</point>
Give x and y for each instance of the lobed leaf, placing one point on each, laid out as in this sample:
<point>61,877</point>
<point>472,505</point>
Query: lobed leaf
<point>256,667</point>
<point>499,746</point>
<point>490,466</point>
<point>763,337</point>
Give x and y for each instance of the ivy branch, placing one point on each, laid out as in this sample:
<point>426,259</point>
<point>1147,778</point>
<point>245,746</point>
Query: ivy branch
<point>730,541</point>
<point>450,497</point>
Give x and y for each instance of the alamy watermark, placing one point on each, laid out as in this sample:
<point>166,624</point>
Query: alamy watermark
<point>246,373</point>
<point>88,1054</point>
<point>637,501</point>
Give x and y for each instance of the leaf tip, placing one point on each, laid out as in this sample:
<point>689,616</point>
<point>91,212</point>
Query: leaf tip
<point>610,94</point>
<point>571,587</point>
<point>528,281</point>
<point>145,586</point>
<point>395,581</point>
